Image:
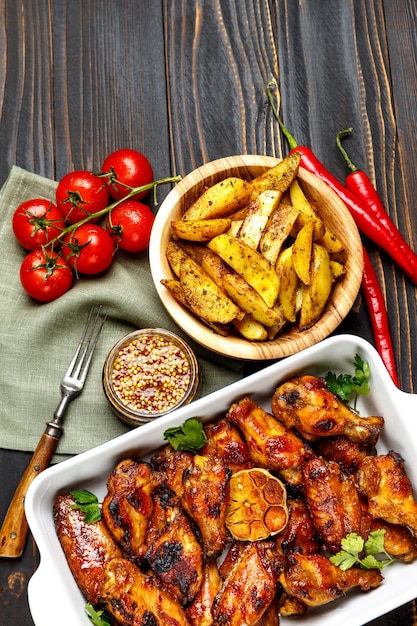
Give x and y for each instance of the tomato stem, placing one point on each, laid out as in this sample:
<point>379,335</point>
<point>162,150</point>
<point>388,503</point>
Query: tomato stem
<point>108,209</point>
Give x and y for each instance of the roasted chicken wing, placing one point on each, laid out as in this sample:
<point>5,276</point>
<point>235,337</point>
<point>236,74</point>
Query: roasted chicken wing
<point>270,443</point>
<point>199,611</point>
<point>87,546</point>
<point>173,463</point>
<point>128,505</point>
<point>314,580</point>
<point>224,439</point>
<point>334,503</point>
<point>399,541</point>
<point>249,587</point>
<point>307,405</point>
<point>349,454</point>
<point>299,534</point>
<point>384,482</point>
<point>174,554</point>
<point>135,599</point>
<point>205,499</point>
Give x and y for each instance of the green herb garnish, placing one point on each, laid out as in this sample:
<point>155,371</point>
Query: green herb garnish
<point>344,385</point>
<point>98,618</point>
<point>88,503</point>
<point>353,546</point>
<point>190,436</point>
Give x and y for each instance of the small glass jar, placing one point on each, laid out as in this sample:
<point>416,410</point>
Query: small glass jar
<point>149,373</point>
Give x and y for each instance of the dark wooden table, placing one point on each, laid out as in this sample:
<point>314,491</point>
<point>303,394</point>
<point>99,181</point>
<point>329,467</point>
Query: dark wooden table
<point>184,82</point>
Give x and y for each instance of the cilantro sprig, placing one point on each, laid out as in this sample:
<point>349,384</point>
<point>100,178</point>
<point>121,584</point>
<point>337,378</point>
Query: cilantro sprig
<point>356,551</point>
<point>189,437</point>
<point>97,617</point>
<point>88,503</point>
<point>344,385</point>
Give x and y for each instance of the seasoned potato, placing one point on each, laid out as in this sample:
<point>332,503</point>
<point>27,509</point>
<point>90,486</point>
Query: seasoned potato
<point>278,177</point>
<point>220,200</point>
<point>200,230</point>
<point>302,250</point>
<point>288,284</point>
<point>203,296</point>
<point>276,232</point>
<point>250,329</point>
<point>250,301</point>
<point>250,264</point>
<point>257,217</point>
<point>306,209</point>
<point>315,295</point>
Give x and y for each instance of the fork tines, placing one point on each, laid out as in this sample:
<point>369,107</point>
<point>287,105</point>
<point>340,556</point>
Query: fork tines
<point>81,360</point>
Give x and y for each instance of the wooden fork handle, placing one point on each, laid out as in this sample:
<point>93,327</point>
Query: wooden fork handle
<point>14,530</point>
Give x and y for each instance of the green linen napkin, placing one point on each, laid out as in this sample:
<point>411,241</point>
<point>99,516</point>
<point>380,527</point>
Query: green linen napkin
<point>38,340</point>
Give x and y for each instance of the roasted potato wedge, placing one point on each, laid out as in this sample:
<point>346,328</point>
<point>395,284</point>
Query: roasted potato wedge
<point>250,329</point>
<point>200,230</point>
<point>249,300</point>
<point>220,200</point>
<point>276,231</point>
<point>250,264</point>
<point>278,177</point>
<point>302,251</point>
<point>203,296</point>
<point>316,294</point>
<point>329,241</point>
<point>288,284</point>
<point>175,255</point>
<point>257,217</point>
<point>306,209</point>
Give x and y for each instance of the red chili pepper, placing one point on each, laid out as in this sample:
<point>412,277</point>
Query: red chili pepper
<point>359,183</point>
<point>366,222</point>
<point>375,302</point>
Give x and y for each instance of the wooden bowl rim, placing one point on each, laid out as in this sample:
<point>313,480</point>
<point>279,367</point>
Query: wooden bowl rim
<point>289,342</point>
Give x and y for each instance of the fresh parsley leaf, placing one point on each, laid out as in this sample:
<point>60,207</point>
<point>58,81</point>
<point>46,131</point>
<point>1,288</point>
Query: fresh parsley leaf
<point>190,436</point>
<point>344,385</point>
<point>88,503</point>
<point>356,551</point>
<point>98,618</point>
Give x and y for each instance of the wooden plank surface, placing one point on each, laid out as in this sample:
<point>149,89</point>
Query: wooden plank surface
<point>184,82</point>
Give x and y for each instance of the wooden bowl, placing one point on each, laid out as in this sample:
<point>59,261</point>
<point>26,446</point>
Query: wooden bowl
<point>335,215</point>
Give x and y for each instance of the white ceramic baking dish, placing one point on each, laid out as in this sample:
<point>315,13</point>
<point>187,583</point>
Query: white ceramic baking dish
<point>53,594</point>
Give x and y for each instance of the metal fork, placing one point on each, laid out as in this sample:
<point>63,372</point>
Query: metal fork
<point>14,530</point>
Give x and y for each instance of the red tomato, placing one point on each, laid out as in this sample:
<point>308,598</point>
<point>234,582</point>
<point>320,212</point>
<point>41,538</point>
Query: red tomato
<point>130,225</point>
<point>35,222</point>
<point>45,275</point>
<point>89,249</point>
<point>80,194</point>
<point>131,169</point>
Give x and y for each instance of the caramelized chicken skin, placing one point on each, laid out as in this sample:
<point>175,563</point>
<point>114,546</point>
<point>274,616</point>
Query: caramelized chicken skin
<point>199,611</point>
<point>172,463</point>
<point>87,547</point>
<point>135,599</point>
<point>174,554</point>
<point>348,454</point>
<point>334,503</point>
<point>383,481</point>
<point>205,499</point>
<point>250,585</point>
<point>305,403</point>
<point>299,534</point>
<point>399,541</point>
<point>128,505</point>
<point>271,444</point>
<point>224,439</point>
<point>314,580</point>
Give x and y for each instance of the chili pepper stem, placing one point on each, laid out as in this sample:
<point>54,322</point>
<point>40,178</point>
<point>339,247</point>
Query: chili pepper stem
<point>345,155</point>
<point>292,143</point>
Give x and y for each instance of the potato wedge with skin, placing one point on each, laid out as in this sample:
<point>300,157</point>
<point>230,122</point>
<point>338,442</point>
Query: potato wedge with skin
<point>249,300</point>
<point>278,177</point>
<point>302,250</point>
<point>277,230</point>
<point>288,284</point>
<point>254,268</point>
<point>250,329</point>
<point>257,217</point>
<point>338,269</point>
<point>306,209</point>
<point>220,200</point>
<point>175,255</point>
<point>317,293</point>
<point>200,230</point>
<point>203,296</point>
<point>330,242</point>
<point>176,290</point>
<point>216,268</point>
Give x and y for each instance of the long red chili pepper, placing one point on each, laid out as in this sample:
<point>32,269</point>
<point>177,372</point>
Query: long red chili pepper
<point>365,221</point>
<point>375,302</point>
<point>359,183</point>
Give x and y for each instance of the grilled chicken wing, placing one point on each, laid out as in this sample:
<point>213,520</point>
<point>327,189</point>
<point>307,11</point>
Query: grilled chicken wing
<point>314,580</point>
<point>128,505</point>
<point>87,547</point>
<point>173,463</point>
<point>173,553</point>
<point>384,482</point>
<point>299,534</point>
<point>270,443</point>
<point>224,439</point>
<point>399,541</point>
<point>249,587</point>
<point>305,403</point>
<point>334,503</point>
<point>199,612</point>
<point>349,454</point>
<point>135,599</point>
<point>205,499</point>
